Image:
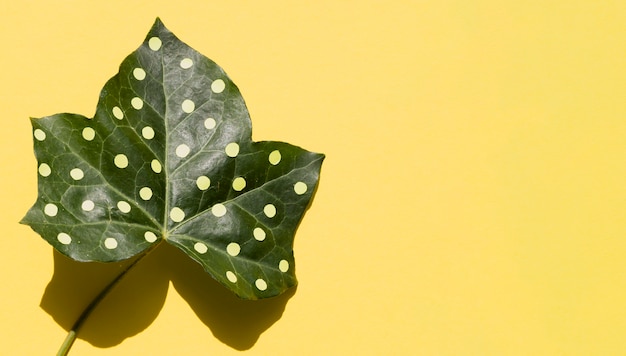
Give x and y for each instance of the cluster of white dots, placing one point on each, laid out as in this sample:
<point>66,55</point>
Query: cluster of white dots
<point>233,249</point>
<point>218,210</point>
<point>176,214</point>
<point>121,160</point>
<point>238,184</point>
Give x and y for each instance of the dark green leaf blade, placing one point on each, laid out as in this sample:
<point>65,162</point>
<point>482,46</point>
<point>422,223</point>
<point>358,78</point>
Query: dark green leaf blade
<point>82,212</point>
<point>245,239</point>
<point>168,156</point>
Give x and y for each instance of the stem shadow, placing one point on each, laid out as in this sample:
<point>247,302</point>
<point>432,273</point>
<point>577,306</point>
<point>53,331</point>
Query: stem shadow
<point>139,297</point>
<point>128,309</point>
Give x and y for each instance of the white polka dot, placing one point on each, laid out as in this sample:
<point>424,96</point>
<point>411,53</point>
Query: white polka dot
<point>260,284</point>
<point>64,238</point>
<point>218,86</point>
<point>186,63</point>
<point>210,123</point>
<point>259,234</point>
<point>200,247</point>
<point>231,276</point>
<point>51,210</point>
<point>156,166</point>
<point>300,188</point>
<point>218,210</point>
<point>232,149</point>
<point>145,193</point>
<point>77,174</point>
<point>154,43</point>
<point>203,182</point>
<point>150,236</point>
<point>283,266</point>
<point>123,206</point>
<point>110,243</point>
<point>136,103</point>
<point>269,210</point>
<point>239,184</point>
<point>275,157</point>
<point>177,214</point>
<point>39,134</point>
<point>139,74</point>
<point>89,133</point>
<point>88,205</point>
<point>147,133</point>
<point>121,161</point>
<point>117,112</point>
<point>188,106</point>
<point>182,151</point>
<point>44,170</point>
<point>233,249</point>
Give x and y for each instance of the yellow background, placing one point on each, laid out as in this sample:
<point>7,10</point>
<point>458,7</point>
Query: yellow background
<point>473,199</point>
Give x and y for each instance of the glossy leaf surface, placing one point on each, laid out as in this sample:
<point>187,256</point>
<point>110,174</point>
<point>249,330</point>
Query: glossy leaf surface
<point>168,157</point>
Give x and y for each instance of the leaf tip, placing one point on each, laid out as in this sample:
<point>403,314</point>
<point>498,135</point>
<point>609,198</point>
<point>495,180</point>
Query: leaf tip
<point>158,24</point>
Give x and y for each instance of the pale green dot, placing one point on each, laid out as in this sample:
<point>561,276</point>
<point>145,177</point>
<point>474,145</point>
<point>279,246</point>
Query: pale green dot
<point>177,214</point>
<point>117,112</point>
<point>188,106</point>
<point>156,166</point>
<point>283,266</point>
<point>147,133</point>
<point>110,243</point>
<point>39,135</point>
<point>218,86</point>
<point>233,249</point>
<point>203,182</point>
<point>139,73</point>
<point>51,210</point>
<point>77,174</point>
<point>88,205</point>
<point>300,188</point>
<point>232,149</point>
<point>123,206</point>
<point>89,133</point>
<point>218,210</point>
<point>259,234</point>
<point>121,161</point>
<point>136,103</point>
<point>154,43</point>
<point>275,157</point>
<point>269,210</point>
<point>260,284</point>
<point>200,247</point>
<point>239,183</point>
<point>210,123</point>
<point>145,193</point>
<point>150,236</point>
<point>44,170</point>
<point>64,238</point>
<point>231,276</point>
<point>186,63</point>
<point>182,151</point>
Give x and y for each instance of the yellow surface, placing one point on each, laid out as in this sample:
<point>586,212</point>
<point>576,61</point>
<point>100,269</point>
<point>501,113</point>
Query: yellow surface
<point>473,199</point>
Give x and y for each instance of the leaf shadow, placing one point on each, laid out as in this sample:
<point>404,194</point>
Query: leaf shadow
<point>127,310</point>
<point>139,297</point>
<point>236,322</point>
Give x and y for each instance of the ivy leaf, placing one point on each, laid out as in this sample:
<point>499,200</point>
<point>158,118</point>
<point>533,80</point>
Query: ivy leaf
<point>168,157</point>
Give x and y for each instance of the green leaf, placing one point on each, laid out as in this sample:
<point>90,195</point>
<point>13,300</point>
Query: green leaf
<point>168,157</point>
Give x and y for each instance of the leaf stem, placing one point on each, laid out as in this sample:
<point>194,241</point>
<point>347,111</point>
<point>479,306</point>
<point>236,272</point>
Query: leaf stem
<point>71,335</point>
